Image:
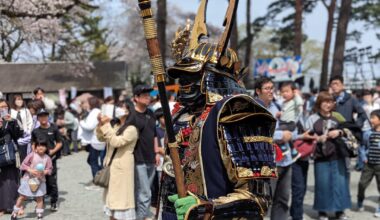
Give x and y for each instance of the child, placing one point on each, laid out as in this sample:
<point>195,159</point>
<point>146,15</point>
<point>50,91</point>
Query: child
<point>50,133</point>
<point>370,154</point>
<point>33,184</point>
<point>291,110</point>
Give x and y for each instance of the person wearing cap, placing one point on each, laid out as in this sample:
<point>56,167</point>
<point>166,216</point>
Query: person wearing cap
<point>50,132</point>
<point>145,151</point>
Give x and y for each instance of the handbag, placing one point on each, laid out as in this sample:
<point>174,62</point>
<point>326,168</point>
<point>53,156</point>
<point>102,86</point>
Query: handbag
<point>351,143</point>
<point>34,184</point>
<point>305,148</point>
<point>8,151</point>
<point>102,177</point>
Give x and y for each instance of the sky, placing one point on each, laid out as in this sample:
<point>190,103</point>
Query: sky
<point>314,25</point>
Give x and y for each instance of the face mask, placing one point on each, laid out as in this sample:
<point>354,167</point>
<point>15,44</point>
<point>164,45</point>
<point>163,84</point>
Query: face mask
<point>119,112</point>
<point>74,106</point>
<point>19,103</point>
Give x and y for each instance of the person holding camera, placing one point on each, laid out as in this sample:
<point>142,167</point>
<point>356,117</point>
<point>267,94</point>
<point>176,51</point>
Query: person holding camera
<point>121,138</point>
<point>9,175</point>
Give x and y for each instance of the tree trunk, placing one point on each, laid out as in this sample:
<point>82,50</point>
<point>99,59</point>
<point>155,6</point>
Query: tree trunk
<point>248,79</point>
<point>161,26</point>
<point>326,48</point>
<point>52,56</point>
<point>298,29</point>
<point>340,40</point>
<point>234,36</point>
<point>247,58</point>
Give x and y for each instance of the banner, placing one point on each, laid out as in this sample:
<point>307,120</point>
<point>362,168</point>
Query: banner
<point>107,91</point>
<point>279,68</point>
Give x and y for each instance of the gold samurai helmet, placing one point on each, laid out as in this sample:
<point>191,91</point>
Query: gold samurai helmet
<point>192,52</point>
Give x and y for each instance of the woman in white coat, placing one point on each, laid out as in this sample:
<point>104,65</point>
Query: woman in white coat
<point>94,146</point>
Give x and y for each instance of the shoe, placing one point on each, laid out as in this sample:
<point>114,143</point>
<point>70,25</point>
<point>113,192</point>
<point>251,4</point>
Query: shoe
<point>377,213</point>
<point>39,216</point>
<point>284,149</point>
<point>360,206</point>
<point>295,155</point>
<point>93,188</point>
<point>14,216</point>
<point>342,216</point>
<point>54,207</point>
<point>322,216</point>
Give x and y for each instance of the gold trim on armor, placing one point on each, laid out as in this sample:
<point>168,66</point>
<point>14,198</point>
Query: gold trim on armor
<point>160,78</point>
<point>173,145</point>
<point>144,1</point>
<point>250,139</point>
<point>266,171</point>
<point>146,12</point>
<point>150,28</point>
<point>157,65</point>
<point>213,97</point>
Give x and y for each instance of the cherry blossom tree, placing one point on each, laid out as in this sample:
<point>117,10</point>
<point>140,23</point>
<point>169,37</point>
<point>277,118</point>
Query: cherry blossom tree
<point>35,22</point>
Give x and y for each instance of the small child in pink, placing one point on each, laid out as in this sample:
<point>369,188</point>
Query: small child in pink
<point>33,184</point>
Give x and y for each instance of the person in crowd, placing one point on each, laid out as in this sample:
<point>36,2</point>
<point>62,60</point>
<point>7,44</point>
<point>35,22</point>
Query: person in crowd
<point>119,197</point>
<point>370,155</point>
<point>312,99</point>
<point>332,192</point>
<point>34,106</point>
<point>94,146</point>
<point>291,110</point>
<point>144,153</point>
<point>71,124</point>
<point>39,94</point>
<point>264,92</point>
<point>50,132</point>
<point>10,131</point>
<point>300,169</point>
<point>347,105</point>
<point>160,131</point>
<point>368,106</point>
<point>33,184</point>
<point>20,113</point>
<point>60,122</point>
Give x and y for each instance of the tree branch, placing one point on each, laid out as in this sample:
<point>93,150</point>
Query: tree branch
<point>14,14</point>
<point>325,4</point>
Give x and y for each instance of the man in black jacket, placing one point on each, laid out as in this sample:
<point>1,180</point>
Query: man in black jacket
<point>346,104</point>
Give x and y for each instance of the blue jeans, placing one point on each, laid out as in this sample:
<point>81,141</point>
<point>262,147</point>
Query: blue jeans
<point>281,188</point>
<point>144,175</point>
<point>299,186</point>
<point>94,160</point>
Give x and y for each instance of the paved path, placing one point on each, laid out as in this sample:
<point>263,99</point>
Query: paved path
<point>78,203</point>
<point>370,204</point>
<point>75,201</point>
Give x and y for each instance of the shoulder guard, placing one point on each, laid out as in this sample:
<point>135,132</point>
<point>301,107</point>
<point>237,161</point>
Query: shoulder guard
<point>245,131</point>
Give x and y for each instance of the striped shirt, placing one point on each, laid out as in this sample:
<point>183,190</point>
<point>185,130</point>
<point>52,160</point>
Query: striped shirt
<point>374,148</point>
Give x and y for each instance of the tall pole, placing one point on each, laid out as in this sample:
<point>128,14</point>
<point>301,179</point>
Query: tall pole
<point>159,75</point>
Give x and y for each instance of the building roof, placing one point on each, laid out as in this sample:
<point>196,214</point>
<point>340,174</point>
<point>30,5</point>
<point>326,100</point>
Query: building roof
<point>22,78</point>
